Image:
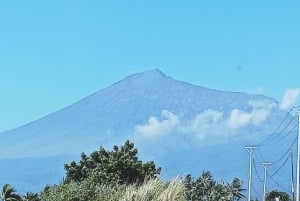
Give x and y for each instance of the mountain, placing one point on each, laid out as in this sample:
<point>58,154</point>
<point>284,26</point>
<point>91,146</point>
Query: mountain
<point>182,127</point>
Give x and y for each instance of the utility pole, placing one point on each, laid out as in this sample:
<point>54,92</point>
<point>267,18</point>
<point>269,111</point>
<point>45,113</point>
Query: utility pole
<point>298,160</point>
<point>292,180</point>
<point>250,151</point>
<point>265,165</point>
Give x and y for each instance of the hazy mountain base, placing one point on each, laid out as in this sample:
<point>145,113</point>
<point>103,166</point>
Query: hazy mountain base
<point>30,174</point>
<point>114,114</point>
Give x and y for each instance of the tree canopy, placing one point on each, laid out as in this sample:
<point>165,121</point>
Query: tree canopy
<point>206,188</point>
<point>9,194</point>
<point>283,196</point>
<point>121,165</point>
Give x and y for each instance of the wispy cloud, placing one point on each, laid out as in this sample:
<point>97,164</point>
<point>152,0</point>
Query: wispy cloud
<point>156,127</point>
<point>209,123</point>
<point>259,113</point>
<point>289,98</point>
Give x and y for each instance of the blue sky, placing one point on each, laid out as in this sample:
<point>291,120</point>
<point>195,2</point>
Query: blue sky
<point>53,53</point>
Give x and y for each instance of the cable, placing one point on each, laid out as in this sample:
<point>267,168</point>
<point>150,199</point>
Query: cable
<point>284,188</point>
<point>281,166</point>
<point>277,134</point>
<point>293,129</point>
<point>280,158</point>
<point>275,140</point>
<point>254,189</point>
<point>289,149</point>
<point>273,133</point>
<point>259,157</point>
<point>259,178</point>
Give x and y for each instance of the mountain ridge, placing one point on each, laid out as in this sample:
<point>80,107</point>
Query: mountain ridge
<point>161,115</point>
<point>154,71</point>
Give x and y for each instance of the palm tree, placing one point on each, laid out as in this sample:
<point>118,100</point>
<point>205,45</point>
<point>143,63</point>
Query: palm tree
<point>236,190</point>
<point>283,196</point>
<point>31,197</point>
<point>8,194</point>
<point>205,182</point>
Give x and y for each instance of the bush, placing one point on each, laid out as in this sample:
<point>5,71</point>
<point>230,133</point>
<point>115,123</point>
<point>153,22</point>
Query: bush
<point>121,165</point>
<point>151,190</point>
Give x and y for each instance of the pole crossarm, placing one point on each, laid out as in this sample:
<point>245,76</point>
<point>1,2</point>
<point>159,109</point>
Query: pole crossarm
<point>265,164</point>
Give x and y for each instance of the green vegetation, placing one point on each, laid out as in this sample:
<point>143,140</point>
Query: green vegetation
<point>9,194</point>
<point>118,166</point>
<point>153,189</point>
<point>283,196</point>
<point>119,175</point>
<point>205,188</point>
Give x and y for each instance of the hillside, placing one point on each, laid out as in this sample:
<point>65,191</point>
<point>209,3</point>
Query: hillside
<point>182,127</point>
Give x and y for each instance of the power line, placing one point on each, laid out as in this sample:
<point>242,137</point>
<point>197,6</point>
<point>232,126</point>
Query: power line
<point>280,158</point>
<point>289,132</point>
<point>260,156</point>
<point>259,178</point>
<point>274,132</point>
<point>289,149</point>
<point>281,166</point>
<point>275,138</point>
<point>284,188</point>
<point>285,128</point>
<point>254,189</point>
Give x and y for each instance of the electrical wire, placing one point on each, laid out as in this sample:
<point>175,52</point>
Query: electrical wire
<point>259,156</point>
<point>281,132</point>
<point>287,155</point>
<point>254,189</point>
<point>275,130</point>
<point>281,166</point>
<point>281,136</point>
<point>284,188</point>
<point>287,152</point>
<point>275,138</point>
<point>288,133</point>
<point>262,156</point>
<point>259,178</point>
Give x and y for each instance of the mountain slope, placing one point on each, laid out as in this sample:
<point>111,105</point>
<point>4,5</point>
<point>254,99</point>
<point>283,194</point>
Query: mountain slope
<point>171,122</point>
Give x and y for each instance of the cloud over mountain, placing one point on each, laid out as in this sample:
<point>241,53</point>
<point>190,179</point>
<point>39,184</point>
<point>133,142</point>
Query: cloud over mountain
<point>156,127</point>
<point>289,98</point>
<point>168,120</point>
<point>210,123</point>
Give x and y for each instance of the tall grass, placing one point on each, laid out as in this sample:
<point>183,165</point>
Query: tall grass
<point>151,190</point>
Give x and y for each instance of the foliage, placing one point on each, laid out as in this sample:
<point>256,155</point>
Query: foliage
<point>198,189</point>
<point>121,165</point>
<point>9,194</point>
<point>31,197</point>
<point>118,175</point>
<point>283,196</point>
<point>205,188</point>
<point>151,190</point>
<point>235,189</point>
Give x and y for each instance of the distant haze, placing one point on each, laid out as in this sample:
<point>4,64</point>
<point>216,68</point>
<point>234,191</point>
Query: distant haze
<point>182,127</point>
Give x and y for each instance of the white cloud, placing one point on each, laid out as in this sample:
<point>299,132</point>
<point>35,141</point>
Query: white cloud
<point>155,127</point>
<point>239,118</point>
<point>289,98</point>
<point>208,124</point>
<point>259,113</point>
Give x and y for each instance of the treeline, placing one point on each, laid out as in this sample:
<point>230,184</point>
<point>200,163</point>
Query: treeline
<point>118,175</point>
